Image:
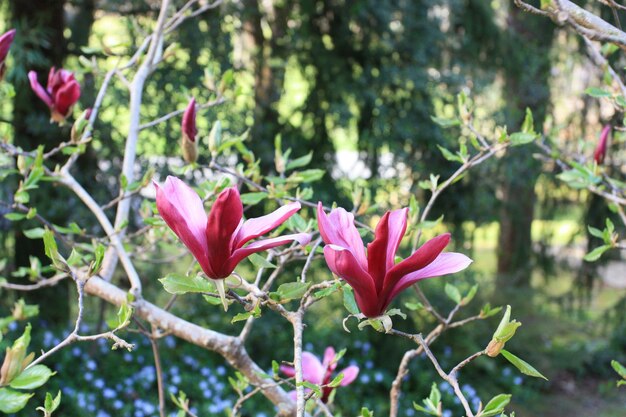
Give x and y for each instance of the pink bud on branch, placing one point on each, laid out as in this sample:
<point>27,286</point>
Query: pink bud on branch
<point>188,127</point>
<point>61,93</point>
<point>5,43</point>
<point>376,278</point>
<point>600,152</point>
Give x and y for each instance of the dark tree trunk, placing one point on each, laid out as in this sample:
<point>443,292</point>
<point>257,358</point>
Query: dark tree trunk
<point>526,71</point>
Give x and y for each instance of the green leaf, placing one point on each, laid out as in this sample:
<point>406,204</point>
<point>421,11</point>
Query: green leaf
<point>52,251</point>
<point>528,126</point>
<point>182,284</point>
<point>32,377</point>
<point>453,293</point>
<point>595,232</point>
<point>445,122</point>
<point>308,175</point>
<point>523,366</point>
<point>470,295</point>
<point>313,387</point>
<point>414,306</point>
<point>595,254</point>
<point>95,265</point>
<point>327,291</point>
<point>50,404</point>
<point>255,312</point>
<point>336,380</point>
<point>597,92</point>
<point>496,405</point>
<point>12,401</point>
<point>349,301</point>
<point>259,261</point>
<point>449,155</point>
<point>366,412</point>
<point>522,138</point>
<point>300,162</point>
<point>15,216</point>
<point>619,368</point>
<point>292,290</point>
<point>250,199</point>
<point>36,233</point>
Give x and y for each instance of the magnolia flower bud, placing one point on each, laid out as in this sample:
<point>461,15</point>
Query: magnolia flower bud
<point>600,151</point>
<point>188,127</point>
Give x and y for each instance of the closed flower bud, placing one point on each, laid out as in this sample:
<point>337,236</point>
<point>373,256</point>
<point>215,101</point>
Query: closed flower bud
<point>600,152</point>
<point>188,139</point>
<point>505,331</point>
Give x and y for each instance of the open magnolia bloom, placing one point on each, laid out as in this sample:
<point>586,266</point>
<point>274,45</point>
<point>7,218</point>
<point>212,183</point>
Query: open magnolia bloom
<point>321,373</point>
<point>217,240</point>
<point>376,278</point>
<point>60,94</point>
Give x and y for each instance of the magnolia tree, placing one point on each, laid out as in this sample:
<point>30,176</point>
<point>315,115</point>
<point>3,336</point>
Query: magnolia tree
<point>207,219</point>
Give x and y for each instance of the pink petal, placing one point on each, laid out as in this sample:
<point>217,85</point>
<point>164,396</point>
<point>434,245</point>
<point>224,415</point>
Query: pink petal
<point>5,43</point>
<point>223,221</point>
<point>66,96</point>
<point>600,151</point>
<point>329,357</point>
<point>349,375</point>
<point>183,211</point>
<point>289,371</point>
<point>418,260</point>
<point>261,245</point>
<point>338,229</point>
<point>342,263</point>
<point>38,89</point>
<point>445,263</point>
<point>312,369</point>
<point>253,228</point>
<point>189,121</point>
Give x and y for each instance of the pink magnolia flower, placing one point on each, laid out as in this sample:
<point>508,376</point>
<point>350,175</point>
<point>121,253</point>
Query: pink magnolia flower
<point>321,373</point>
<point>5,43</point>
<point>61,93</point>
<point>600,151</point>
<point>376,278</point>
<point>217,240</point>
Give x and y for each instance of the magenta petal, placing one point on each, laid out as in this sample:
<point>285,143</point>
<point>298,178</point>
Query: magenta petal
<point>5,43</point>
<point>38,89</point>
<point>189,121</point>
<point>264,244</point>
<point>423,256</point>
<point>342,263</point>
<point>223,220</point>
<point>66,97</point>
<point>289,371</point>
<point>349,375</point>
<point>183,211</point>
<point>445,263</point>
<point>253,228</point>
<point>312,369</point>
<point>329,357</point>
<point>338,229</point>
